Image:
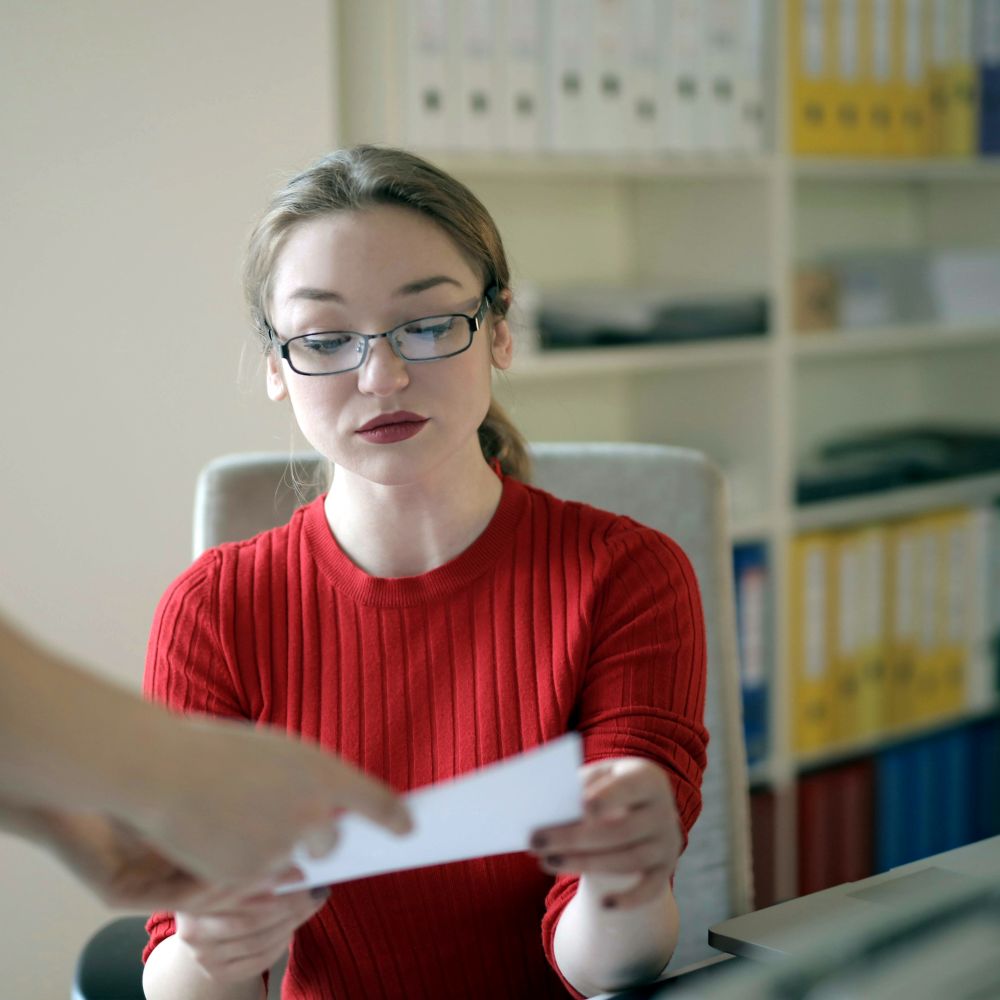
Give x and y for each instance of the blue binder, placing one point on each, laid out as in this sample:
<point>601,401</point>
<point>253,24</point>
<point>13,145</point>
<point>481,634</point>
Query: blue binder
<point>753,617</point>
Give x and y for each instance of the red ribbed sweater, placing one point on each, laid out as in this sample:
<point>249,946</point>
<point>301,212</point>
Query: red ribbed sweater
<point>558,617</point>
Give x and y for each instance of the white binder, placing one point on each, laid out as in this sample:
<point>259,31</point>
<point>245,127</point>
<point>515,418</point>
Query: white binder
<point>720,34</point>
<point>645,112</point>
<point>685,79</point>
<point>522,62</point>
<point>569,80</point>
<point>609,63</point>
<point>750,109</point>
<point>478,75</point>
<point>429,81</point>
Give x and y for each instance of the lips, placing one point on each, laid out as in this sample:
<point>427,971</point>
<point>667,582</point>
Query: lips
<point>396,417</point>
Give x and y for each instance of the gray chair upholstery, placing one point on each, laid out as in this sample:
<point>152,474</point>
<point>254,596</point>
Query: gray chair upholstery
<point>674,490</point>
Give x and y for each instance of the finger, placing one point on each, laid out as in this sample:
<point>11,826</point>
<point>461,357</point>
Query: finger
<point>245,917</point>
<point>372,799</point>
<point>651,886</point>
<point>545,836</point>
<point>640,857</point>
<point>250,966</point>
<point>593,773</point>
<point>266,937</point>
<point>604,832</point>
<point>321,839</point>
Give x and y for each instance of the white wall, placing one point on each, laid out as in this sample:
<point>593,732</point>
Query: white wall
<point>140,141</point>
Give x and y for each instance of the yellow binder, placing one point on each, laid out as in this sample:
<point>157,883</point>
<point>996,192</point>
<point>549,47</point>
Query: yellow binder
<point>914,99</point>
<point>902,610</point>
<point>810,73</point>
<point>811,608</point>
<point>929,693</point>
<point>956,599</point>
<point>846,638</point>
<point>881,60</point>
<point>940,57</point>
<point>847,87</point>
<point>962,108</point>
<point>868,90</point>
<point>872,544</point>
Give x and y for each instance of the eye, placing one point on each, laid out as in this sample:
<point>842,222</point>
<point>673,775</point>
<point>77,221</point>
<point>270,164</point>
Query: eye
<point>431,327</point>
<point>324,343</point>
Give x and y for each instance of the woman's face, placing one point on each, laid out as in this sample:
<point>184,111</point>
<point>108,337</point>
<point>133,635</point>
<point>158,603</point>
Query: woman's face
<point>369,271</point>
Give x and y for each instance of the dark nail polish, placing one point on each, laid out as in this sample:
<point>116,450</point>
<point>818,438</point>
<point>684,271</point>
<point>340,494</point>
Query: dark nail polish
<point>609,902</point>
<point>319,892</point>
<point>554,860</point>
<point>538,841</point>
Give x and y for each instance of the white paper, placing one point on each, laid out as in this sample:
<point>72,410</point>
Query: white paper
<point>491,811</point>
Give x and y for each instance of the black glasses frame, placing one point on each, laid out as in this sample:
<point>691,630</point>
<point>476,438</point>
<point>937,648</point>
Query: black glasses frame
<point>475,321</point>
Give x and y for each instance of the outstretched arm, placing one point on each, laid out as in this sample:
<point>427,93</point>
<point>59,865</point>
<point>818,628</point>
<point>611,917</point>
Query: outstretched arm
<point>189,787</point>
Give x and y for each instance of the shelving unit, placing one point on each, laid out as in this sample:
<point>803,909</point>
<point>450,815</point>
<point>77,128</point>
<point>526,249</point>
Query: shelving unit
<point>849,751</point>
<point>756,405</point>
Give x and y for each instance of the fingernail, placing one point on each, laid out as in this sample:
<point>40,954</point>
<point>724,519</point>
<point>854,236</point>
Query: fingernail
<point>539,841</point>
<point>594,807</point>
<point>320,892</point>
<point>554,860</point>
<point>403,821</point>
<point>609,902</point>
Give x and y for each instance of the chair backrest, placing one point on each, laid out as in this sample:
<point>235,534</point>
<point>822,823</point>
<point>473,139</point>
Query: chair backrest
<point>676,491</point>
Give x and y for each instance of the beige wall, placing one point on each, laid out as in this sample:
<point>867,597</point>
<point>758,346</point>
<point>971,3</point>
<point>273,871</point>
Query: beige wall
<point>140,140</point>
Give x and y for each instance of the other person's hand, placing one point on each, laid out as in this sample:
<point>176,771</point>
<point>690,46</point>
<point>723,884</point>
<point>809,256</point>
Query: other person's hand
<point>229,801</point>
<point>121,868</point>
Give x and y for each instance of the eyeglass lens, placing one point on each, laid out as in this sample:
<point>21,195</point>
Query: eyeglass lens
<point>419,340</point>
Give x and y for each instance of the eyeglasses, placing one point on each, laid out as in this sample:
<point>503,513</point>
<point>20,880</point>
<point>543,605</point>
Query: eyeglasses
<point>431,338</point>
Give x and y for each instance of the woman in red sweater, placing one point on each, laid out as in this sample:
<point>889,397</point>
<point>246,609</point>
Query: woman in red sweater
<point>431,614</point>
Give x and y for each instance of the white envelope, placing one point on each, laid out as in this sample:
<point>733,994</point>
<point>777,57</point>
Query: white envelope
<point>491,811</point>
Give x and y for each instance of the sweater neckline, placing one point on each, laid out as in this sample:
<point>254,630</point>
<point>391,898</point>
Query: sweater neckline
<point>479,557</point>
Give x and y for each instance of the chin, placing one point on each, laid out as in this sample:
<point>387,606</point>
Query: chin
<point>385,469</point>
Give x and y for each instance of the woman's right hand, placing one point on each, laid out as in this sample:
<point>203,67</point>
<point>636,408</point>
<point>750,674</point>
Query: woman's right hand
<point>247,936</point>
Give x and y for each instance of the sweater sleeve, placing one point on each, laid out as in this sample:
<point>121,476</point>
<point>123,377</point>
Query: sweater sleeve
<point>643,692</point>
<point>187,668</point>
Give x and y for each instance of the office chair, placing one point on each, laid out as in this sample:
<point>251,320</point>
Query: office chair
<point>676,491</point>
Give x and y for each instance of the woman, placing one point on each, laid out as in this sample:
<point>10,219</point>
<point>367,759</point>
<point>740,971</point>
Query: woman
<point>432,614</point>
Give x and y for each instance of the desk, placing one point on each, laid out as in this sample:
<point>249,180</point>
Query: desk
<point>791,927</point>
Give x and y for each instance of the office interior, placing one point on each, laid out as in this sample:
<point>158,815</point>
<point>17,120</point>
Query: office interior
<point>763,230</point>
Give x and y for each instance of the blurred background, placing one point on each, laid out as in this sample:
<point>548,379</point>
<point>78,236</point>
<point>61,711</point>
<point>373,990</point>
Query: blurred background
<point>763,229</point>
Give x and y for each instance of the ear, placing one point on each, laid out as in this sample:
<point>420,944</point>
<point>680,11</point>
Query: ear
<point>276,389</point>
<point>502,345</point>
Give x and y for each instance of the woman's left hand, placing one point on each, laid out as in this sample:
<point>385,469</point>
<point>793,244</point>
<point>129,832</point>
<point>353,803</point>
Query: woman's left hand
<point>630,827</point>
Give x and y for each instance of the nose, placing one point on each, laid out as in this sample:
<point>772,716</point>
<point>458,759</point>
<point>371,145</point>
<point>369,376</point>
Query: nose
<point>383,372</point>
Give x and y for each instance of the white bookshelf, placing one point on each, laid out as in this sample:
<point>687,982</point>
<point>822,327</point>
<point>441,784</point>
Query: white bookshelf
<point>548,365</point>
<point>756,405</point>
<point>872,744</point>
<point>885,505</point>
<point>900,339</point>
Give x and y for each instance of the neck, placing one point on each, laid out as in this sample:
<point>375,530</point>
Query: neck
<point>393,531</point>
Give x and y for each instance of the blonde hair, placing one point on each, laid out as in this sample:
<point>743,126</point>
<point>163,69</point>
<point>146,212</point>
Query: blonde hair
<point>357,178</point>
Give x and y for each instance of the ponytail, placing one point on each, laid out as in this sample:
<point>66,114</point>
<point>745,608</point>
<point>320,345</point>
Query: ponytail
<point>502,442</point>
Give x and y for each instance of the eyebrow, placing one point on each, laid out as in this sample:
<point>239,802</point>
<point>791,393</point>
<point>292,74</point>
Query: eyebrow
<point>410,288</point>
